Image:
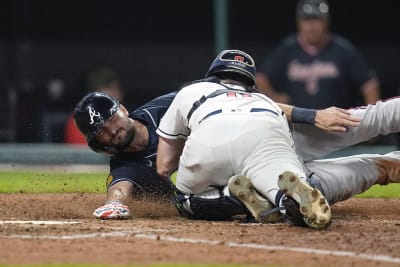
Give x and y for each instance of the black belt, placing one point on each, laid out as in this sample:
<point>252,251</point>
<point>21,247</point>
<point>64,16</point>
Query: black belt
<point>215,112</point>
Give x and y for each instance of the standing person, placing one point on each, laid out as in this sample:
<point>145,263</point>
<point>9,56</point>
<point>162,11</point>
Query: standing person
<point>231,148</point>
<point>316,68</point>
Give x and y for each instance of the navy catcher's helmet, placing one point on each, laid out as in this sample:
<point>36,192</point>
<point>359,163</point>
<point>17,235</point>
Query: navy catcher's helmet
<point>234,64</point>
<point>91,113</point>
<point>312,9</point>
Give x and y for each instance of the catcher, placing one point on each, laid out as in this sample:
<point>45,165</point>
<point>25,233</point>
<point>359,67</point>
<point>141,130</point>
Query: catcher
<point>234,152</point>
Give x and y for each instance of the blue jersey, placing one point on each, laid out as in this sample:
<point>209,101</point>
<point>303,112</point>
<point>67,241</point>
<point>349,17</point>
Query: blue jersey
<point>140,167</point>
<point>332,76</point>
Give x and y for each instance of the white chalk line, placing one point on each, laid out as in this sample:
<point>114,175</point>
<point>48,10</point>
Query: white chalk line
<point>40,222</point>
<point>363,256</point>
<point>142,235</point>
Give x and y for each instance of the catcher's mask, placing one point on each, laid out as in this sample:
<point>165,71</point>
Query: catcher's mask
<point>91,113</point>
<point>236,65</point>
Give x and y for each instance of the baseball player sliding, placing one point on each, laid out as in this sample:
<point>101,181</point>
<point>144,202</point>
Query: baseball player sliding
<point>234,152</point>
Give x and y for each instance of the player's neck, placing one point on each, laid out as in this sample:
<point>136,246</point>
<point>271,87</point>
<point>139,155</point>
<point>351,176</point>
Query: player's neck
<point>233,82</point>
<point>141,139</point>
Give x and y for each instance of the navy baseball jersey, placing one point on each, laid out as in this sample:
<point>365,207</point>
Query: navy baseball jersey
<point>333,76</point>
<point>140,167</point>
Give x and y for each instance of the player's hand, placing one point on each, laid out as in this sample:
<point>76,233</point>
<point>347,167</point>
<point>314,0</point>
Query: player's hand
<point>112,210</point>
<point>335,119</point>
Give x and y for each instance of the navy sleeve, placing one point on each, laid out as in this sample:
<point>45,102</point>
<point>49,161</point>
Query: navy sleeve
<point>144,178</point>
<point>358,70</point>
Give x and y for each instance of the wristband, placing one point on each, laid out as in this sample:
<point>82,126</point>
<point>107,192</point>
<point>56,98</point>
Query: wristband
<point>303,115</point>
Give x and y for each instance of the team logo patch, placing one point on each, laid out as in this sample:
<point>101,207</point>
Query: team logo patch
<point>93,114</point>
<point>110,178</point>
<point>239,58</point>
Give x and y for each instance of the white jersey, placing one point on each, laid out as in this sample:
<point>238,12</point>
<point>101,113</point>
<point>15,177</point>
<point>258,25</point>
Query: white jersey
<point>175,122</point>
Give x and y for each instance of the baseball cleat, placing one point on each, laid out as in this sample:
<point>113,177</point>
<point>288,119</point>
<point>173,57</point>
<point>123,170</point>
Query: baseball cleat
<point>312,204</point>
<point>259,207</point>
<point>113,211</point>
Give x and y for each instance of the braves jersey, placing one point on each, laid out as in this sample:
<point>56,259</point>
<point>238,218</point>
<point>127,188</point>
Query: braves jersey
<point>140,167</point>
<point>214,98</point>
<point>331,77</point>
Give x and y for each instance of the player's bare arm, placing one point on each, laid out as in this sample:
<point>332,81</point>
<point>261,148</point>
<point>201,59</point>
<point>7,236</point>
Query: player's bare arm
<point>329,119</point>
<point>371,91</point>
<point>115,206</point>
<point>121,191</point>
<point>168,153</point>
<point>335,119</point>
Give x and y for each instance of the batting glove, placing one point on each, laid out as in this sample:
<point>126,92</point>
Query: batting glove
<point>112,210</point>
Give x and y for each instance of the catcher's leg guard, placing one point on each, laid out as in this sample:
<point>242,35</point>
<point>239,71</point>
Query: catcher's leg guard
<point>312,204</point>
<point>259,207</point>
<point>221,208</point>
<point>211,206</point>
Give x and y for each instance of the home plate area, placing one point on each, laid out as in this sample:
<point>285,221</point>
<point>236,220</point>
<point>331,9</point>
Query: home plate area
<point>58,228</point>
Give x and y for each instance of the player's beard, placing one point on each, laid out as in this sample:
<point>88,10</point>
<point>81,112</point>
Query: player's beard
<point>127,140</point>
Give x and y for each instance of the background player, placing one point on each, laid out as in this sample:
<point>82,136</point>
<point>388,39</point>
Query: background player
<point>315,68</point>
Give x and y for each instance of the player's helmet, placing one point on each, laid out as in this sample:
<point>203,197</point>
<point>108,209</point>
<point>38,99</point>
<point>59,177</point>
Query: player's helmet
<point>234,64</point>
<point>91,113</point>
<point>312,9</point>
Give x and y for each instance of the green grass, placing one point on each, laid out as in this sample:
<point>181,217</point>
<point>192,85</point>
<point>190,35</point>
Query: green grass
<point>50,182</point>
<point>382,191</point>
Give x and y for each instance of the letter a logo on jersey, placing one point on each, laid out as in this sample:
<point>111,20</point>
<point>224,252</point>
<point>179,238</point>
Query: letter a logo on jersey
<point>93,114</point>
<point>239,58</point>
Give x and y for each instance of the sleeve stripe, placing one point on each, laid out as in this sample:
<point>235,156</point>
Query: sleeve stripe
<point>151,117</point>
<point>174,135</point>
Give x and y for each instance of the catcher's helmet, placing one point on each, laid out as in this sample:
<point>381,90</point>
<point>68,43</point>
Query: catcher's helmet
<point>312,9</point>
<point>91,113</point>
<point>234,64</point>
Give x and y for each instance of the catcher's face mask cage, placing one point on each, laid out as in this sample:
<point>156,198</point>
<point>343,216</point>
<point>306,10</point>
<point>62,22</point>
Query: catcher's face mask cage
<point>236,64</point>
<point>91,113</point>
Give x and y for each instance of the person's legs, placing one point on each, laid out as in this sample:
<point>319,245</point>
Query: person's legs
<point>380,119</point>
<point>257,146</point>
<point>273,166</point>
<point>204,170</point>
<point>341,178</point>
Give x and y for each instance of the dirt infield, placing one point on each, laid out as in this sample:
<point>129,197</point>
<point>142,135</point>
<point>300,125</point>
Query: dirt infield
<point>364,232</point>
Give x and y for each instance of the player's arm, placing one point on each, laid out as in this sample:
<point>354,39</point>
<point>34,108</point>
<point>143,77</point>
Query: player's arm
<point>329,119</point>
<point>172,131</point>
<point>168,153</point>
<point>371,91</point>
